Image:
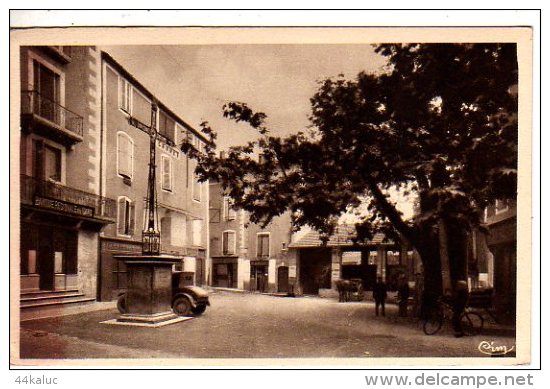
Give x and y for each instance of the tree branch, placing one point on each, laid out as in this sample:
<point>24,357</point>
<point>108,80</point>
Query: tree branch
<point>390,212</point>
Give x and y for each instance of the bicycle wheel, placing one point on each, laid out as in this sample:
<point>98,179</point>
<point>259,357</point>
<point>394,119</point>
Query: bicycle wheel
<point>433,323</point>
<point>472,323</point>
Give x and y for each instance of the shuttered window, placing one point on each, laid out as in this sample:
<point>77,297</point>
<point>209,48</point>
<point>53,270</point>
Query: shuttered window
<point>124,93</point>
<point>125,155</point>
<point>263,245</point>
<point>125,216</point>
<point>229,243</point>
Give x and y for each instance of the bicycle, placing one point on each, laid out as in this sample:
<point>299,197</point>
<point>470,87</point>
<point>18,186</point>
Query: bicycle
<point>472,322</point>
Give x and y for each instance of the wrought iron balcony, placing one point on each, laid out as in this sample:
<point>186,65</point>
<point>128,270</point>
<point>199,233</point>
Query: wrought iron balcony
<point>60,198</point>
<point>43,115</point>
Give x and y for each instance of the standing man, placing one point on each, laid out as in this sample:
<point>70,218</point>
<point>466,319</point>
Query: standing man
<point>380,293</point>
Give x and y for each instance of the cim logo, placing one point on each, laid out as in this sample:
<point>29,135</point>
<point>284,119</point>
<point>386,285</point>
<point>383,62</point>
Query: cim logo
<point>489,348</point>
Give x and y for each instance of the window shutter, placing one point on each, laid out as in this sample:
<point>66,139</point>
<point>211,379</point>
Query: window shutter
<point>226,208</point>
<point>231,242</point>
<point>225,242</point>
<point>132,217</point>
<point>123,155</point>
<point>121,216</point>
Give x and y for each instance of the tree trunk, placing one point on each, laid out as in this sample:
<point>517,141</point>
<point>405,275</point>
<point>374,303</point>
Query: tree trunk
<point>428,250</point>
<point>447,285</point>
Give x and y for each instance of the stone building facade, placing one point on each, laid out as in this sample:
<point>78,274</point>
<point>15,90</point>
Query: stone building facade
<point>244,255</point>
<point>182,200</point>
<point>62,208</point>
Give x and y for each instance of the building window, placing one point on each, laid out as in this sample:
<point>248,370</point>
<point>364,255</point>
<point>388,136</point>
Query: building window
<point>166,165</point>
<point>47,84</point>
<point>52,163</point>
<point>167,127</point>
<point>125,216</point>
<point>262,248</point>
<point>197,232</point>
<point>124,95</point>
<point>229,212</point>
<point>229,243</point>
<point>47,163</point>
<point>125,155</point>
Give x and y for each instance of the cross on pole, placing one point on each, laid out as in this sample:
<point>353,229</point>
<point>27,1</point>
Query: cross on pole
<point>150,235</point>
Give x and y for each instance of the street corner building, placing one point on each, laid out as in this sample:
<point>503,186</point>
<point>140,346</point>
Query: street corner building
<point>84,179</point>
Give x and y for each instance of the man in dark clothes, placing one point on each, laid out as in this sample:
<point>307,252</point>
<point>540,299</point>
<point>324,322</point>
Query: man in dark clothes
<point>379,293</point>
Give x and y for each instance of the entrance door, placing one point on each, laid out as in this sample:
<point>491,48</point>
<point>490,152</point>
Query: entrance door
<point>258,278</point>
<point>46,259</point>
<point>282,279</point>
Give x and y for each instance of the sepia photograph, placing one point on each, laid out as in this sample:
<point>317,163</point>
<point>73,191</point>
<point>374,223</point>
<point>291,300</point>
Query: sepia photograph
<point>226,196</point>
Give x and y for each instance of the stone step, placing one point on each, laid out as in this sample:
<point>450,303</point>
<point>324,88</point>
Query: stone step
<point>50,299</point>
<point>45,293</point>
<point>50,308</point>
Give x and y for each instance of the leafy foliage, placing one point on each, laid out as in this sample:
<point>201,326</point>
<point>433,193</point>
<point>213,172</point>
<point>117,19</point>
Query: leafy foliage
<point>441,120</point>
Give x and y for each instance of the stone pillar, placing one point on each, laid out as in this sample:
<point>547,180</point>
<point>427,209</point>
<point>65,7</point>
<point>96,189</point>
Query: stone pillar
<point>149,294</point>
<point>271,269</point>
<point>336,267</point>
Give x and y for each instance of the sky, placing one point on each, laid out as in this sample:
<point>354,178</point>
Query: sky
<point>196,81</point>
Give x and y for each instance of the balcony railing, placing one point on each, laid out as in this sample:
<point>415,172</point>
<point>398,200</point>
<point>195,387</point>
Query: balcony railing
<point>47,194</point>
<point>34,103</point>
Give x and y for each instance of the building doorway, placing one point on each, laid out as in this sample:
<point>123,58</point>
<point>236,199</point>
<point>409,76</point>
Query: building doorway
<point>258,276</point>
<point>315,270</point>
<point>282,279</point>
<point>48,252</point>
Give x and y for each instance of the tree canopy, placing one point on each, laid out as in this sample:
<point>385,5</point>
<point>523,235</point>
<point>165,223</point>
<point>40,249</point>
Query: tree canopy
<point>440,120</point>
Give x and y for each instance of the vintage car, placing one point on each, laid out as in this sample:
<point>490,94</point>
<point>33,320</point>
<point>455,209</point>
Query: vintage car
<point>187,299</point>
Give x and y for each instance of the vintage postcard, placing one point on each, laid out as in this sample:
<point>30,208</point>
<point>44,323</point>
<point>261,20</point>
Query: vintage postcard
<point>344,197</point>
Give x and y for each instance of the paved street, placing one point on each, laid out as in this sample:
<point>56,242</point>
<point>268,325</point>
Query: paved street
<point>243,325</point>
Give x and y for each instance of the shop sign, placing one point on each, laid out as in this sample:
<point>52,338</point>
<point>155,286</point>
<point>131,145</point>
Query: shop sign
<point>63,206</point>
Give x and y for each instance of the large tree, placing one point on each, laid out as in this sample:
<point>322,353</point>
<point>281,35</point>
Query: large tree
<point>440,121</point>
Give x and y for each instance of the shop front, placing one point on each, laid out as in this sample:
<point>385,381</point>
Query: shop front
<point>225,271</point>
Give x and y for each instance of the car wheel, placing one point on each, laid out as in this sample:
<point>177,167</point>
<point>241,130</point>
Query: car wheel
<point>121,304</point>
<point>182,306</point>
<point>199,309</point>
